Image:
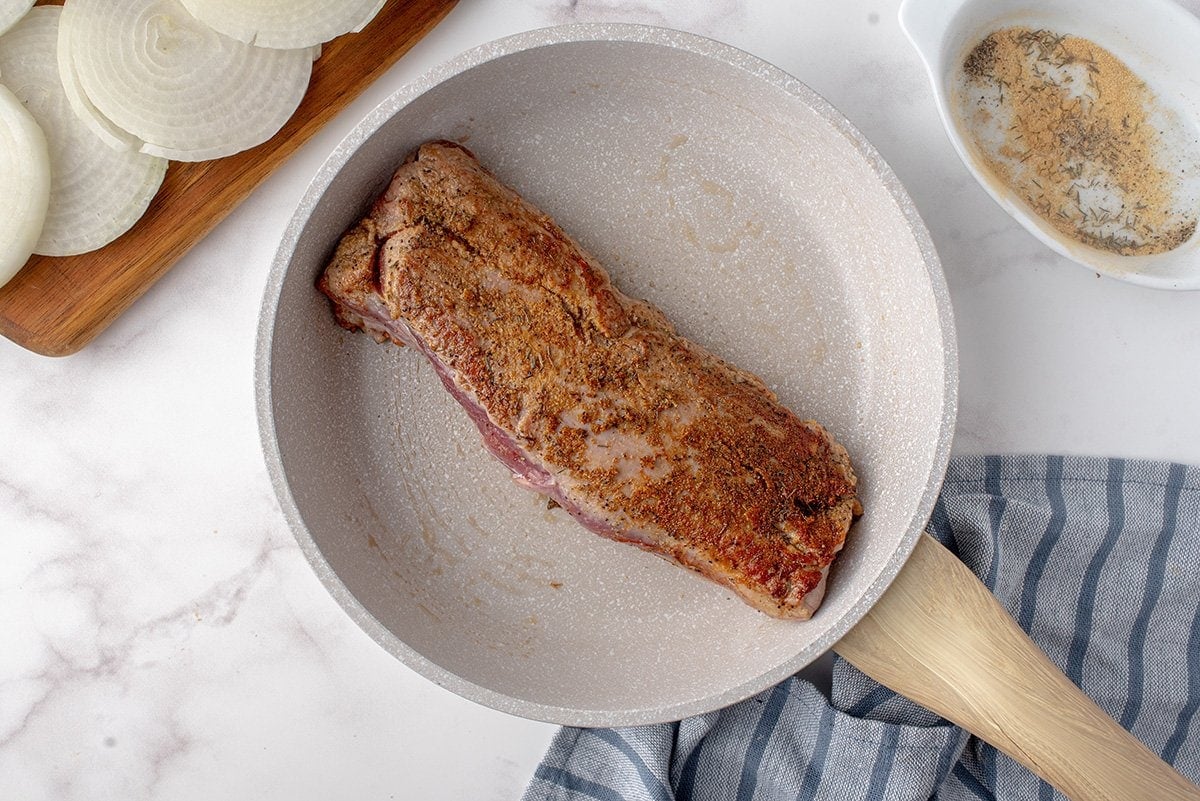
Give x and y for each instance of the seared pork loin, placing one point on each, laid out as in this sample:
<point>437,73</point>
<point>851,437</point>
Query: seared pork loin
<point>588,396</point>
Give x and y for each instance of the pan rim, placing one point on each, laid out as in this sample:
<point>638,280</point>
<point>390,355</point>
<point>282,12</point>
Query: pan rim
<point>617,33</point>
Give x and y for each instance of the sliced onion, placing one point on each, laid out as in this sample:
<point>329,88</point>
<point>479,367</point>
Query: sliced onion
<point>186,91</point>
<point>284,23</point>
<point>112,134</point>
<point>24,183</point>
<point>11,12</point>
<point>96,193</point>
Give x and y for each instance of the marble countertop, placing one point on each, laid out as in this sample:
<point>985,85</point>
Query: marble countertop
<point>161,635</point>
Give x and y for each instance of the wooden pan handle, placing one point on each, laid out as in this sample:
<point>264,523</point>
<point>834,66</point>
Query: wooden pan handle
<point>940,638</point>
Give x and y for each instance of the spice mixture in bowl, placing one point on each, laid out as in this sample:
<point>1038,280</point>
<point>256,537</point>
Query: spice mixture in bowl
<point>1079,138</point>
<point>1081,120</point>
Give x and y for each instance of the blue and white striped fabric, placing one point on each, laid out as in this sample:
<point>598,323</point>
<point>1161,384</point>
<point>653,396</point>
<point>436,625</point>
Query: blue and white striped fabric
<point>1099,560</point>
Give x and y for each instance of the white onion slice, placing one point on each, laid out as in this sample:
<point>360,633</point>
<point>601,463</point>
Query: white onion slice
<point>11,12</point>
<point>112,134</point>
<point>187,92</point>
<point>96,193</point>
<point>284,23</point>
<point>24,184</point>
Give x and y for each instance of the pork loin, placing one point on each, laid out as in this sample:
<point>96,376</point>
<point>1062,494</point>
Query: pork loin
<point>588,396</point>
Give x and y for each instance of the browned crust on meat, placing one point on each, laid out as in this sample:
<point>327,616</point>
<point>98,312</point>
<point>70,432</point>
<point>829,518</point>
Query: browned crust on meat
<point>646,429</point>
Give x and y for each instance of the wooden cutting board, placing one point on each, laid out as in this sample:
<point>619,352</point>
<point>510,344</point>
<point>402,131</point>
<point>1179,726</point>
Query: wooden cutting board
<point>55,306</point>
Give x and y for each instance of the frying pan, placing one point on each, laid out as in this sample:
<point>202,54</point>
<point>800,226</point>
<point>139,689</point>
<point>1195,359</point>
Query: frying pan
<point>766,227</point>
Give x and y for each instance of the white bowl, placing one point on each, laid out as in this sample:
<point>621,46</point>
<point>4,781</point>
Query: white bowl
<point>1158,40</point>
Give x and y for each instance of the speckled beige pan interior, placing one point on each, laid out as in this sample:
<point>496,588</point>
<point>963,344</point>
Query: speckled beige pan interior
<point>744,206</point>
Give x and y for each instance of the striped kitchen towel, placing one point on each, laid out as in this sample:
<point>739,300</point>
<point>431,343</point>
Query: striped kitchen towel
<point>1099,560</point>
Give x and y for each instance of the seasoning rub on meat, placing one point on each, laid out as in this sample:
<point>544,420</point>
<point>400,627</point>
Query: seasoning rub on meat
<point>589,396</point>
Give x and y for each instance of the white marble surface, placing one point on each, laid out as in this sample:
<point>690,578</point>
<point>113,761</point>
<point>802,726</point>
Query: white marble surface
<point>161,635</point>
